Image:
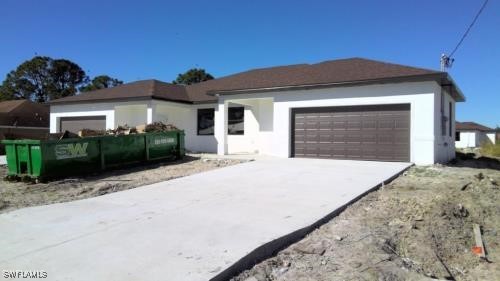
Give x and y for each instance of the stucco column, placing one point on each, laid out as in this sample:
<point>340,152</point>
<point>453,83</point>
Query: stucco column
<point>220,127</point>
<point>54,124</point>
<point>149,114</point>
<point>110,120</point>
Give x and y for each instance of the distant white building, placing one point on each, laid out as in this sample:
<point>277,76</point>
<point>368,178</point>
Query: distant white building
<point>471,134</point>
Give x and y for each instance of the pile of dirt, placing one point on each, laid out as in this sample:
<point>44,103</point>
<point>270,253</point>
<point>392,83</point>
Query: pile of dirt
<point>418,227</point>
<point>16,195</point>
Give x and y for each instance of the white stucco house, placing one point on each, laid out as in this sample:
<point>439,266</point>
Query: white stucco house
<point>342,109</point>
<point>471,134</point>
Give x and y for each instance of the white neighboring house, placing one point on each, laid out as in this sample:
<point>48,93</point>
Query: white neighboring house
<point>471,134</point>
<point>342,109</point>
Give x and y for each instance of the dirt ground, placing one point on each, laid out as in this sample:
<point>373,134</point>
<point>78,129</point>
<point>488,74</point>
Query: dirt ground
<point>16,195</point>
<point>418,227</point>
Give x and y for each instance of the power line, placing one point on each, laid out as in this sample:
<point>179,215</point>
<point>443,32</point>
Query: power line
<point>469,28</point>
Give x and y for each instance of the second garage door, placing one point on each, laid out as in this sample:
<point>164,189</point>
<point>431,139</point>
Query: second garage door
<point>75,124</point>
<point>380,132</point>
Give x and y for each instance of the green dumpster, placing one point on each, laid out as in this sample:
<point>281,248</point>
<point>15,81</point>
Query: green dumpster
<point>57,158</point>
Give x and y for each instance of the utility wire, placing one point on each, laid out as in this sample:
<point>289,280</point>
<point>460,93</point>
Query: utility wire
<point>469,28</point>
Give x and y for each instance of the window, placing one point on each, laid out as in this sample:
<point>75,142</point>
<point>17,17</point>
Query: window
<point>206,121</point>
<point>236,120</point>
<point>457,136</point>
<point>451,117</point>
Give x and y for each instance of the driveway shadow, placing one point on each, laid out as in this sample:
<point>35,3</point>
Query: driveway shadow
<point>137,167</point>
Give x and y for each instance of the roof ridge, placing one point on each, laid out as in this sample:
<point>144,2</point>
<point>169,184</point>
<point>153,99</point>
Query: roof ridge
<point>381,61</point>
<point>152,87</point>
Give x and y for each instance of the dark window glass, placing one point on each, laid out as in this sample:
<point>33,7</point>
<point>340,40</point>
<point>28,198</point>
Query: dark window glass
<point>457,136</point>
<point>206,121</point>
<point>236,121</point>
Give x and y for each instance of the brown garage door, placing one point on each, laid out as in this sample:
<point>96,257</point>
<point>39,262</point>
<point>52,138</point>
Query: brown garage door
<point>380,132</point>
<point>75,124</point>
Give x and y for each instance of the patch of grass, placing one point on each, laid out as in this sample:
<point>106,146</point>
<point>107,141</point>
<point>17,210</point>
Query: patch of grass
<point>489,149</point>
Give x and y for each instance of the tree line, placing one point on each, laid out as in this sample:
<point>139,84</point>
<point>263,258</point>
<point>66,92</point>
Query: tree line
<point>42,79</point>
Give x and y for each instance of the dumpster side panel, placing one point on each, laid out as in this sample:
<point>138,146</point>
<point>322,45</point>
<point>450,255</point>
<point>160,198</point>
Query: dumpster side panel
<point>181,147</point>
<point>59,158</point>
<point>121,150</point>
<point>162,145</point>
<point>70,157</point>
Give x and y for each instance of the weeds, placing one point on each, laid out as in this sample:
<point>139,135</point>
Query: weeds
<point>489,149</point>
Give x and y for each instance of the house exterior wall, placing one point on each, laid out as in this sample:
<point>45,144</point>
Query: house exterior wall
<point>131,115</point>
<point>444,140</point>
<point>492,137</point>
<point>420,95</point>
<point>185,117</point>
<point>83,109</point>
<point>467,139</point>
<point>266,126</point>
<point>475,139</point>
<point>483,138</point>
<point>249,141</point>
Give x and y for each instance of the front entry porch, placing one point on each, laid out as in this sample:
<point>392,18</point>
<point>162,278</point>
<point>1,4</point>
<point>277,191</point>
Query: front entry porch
<point>244,126</point>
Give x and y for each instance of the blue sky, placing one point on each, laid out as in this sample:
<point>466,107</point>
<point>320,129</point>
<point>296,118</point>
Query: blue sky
<point>133,40</point>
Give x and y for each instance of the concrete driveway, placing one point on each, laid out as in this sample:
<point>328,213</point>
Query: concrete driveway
<point>193,228</point>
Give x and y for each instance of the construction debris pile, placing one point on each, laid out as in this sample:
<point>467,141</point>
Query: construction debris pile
<point>160,127</point>
<point>120,130</point>
<point>432,223</point>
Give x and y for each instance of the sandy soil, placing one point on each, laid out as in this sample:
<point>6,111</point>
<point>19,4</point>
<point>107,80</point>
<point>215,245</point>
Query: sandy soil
<point>15,195</point>
<point>418,227</point>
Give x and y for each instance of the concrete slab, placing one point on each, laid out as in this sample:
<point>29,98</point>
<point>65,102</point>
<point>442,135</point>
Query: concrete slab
<point>193,228</point>
<point>246,156</point>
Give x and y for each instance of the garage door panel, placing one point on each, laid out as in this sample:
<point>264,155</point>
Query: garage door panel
<point>369,125</point>
<point>354,125</point>
<point>75,124</point>
<point>369,138</point>
<point>402,124</point>
<point>340,125</point>
<point>364,133</point>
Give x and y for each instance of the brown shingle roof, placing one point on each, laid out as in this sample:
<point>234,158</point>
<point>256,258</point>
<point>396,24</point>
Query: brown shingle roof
<point>8,106</point>
<point>472,126</point>
<point>328,72</point>
<point>133,90</point>
<point>24,113</point>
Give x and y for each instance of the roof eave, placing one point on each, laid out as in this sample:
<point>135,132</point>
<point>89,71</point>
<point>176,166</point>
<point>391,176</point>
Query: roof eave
<point>124,100</point>
<point>456,93</point>
<point>55,102</point>
<point>400,79</point>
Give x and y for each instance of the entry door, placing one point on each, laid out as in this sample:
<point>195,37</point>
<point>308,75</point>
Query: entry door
<point>378,132</point>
